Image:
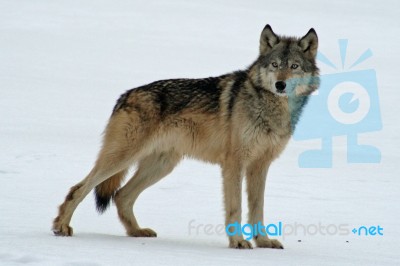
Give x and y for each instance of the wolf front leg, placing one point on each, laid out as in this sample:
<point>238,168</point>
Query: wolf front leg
<point>256,175</point>
<point>232,183</point>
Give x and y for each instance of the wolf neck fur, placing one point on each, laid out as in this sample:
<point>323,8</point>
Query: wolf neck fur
<point>267,102</point>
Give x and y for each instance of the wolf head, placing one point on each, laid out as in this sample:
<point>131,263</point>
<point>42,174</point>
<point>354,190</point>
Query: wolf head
<point>286,65</point>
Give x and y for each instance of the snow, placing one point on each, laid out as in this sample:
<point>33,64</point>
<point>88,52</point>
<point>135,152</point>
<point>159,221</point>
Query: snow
<point>63,64</point>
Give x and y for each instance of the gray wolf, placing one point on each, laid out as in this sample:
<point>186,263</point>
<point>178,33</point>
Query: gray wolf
<point>241,121</point>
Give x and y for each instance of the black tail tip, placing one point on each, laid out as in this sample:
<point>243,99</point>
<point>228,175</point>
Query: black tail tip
<point>102,203</point>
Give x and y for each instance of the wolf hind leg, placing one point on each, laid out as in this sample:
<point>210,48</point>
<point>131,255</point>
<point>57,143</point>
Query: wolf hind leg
<point>150,170</point>
<point>107,165</point>
<point>123,144</point>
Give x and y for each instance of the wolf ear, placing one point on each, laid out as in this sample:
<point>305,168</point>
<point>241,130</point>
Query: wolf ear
<point>309,43</point>
<point>268,40</point>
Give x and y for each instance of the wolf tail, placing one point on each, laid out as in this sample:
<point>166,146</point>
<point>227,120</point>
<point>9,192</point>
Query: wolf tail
<point>106,190</point>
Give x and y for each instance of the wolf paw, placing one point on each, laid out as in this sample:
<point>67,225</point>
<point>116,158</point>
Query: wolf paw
<point>63,230</point>
<point>268,243</point>
<point>143,232</point>
<point>240,244</point>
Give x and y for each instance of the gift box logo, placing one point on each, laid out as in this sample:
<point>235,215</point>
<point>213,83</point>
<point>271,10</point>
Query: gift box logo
<point>347,104</point>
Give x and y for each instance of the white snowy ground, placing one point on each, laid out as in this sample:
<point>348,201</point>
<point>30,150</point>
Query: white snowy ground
<point>63,64</point>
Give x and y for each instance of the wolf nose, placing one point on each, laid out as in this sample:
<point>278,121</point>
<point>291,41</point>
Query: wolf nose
<point>280,85</point>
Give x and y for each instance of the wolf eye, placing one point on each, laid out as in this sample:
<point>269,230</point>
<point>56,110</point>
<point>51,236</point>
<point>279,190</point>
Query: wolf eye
<point>294,66</point>
<point>274,64</point>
